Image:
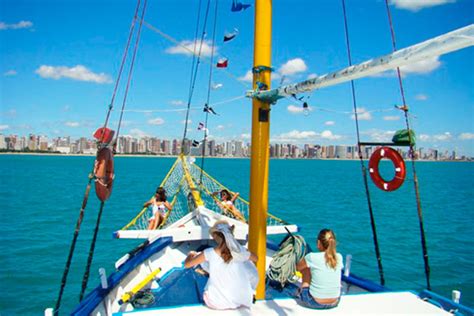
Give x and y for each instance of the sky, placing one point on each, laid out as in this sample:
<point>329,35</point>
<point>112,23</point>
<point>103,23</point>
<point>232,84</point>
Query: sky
<point>59,61</point>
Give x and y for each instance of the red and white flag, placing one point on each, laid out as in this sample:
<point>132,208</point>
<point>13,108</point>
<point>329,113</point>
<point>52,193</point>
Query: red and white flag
<point>222,63</point>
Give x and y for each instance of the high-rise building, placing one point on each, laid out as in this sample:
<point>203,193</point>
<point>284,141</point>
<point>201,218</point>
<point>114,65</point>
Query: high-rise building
<point>166,146</point>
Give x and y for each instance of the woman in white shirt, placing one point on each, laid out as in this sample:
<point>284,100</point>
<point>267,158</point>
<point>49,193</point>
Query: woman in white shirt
<point>233,276</point>
<point>321,287</point>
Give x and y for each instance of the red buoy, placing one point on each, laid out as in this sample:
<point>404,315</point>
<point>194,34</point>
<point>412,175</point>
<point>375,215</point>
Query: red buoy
<point>398,163</point>
<point>104,173</point>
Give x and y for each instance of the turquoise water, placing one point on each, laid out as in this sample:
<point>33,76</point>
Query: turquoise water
<point>40,198</point>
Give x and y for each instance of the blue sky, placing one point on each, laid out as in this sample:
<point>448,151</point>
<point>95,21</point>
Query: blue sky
<point>59,61</point>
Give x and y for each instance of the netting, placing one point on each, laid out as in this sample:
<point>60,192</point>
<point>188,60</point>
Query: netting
<point>186,191</point>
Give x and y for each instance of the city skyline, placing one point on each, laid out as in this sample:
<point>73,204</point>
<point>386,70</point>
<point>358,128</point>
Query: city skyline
<point>231,148</point>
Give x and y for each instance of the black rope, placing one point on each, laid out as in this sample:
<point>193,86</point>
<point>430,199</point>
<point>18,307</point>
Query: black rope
<point>130,72</point>
<point>73,246</point>
<point>208,93</point>
<point>194,75</point>
<point>364,169</point>
<point>412,156</point>
<point>124,57</point>
<point>91,253</point>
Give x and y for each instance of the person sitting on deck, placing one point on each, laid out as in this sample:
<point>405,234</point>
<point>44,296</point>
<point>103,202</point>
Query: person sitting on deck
<point>321,287</point>
<point>159,208</point>
<point>233,277</point>
<point>227,202</point>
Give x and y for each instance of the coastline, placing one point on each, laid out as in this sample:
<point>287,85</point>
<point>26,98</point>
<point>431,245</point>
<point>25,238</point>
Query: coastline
<point>197,157</point>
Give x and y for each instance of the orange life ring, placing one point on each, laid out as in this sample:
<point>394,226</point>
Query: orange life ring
<point>398,163</point>
<point>104,173</point>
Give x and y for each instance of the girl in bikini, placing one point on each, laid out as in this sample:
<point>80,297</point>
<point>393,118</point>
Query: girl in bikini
<point>159,208</point>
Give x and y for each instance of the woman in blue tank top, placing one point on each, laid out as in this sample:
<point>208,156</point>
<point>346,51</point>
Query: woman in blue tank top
<point>321,287</point>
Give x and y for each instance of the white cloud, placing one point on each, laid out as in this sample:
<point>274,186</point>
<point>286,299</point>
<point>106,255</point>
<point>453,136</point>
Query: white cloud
<point>187,48</point>
<point>177,102</point>
<point>248,77</point>
<point>329,135</point>
<point>377,135</point>
<point>72,124</point>
<point>421,97</point>
<point>293,66</point>
<point>443,137</point>
<point>138,133</point>
<point>245,136</point>
<point>220,127</point>
<point>293,109</point>
<point>417,5</point>
<point>362,115</point>
<point>4,127</point>
<point>184,122</point>
<point>424,137</point>
<point>466,136</point>
<point>66,108</point>
<point>329,123</point>
<point>391,118</point>
<point>295,135</point>
<point>422,67</point>
<point>77,72</point>
<point>16,26</point>
<point>312,76</point>
<point>10,73</point>
<point>156,121</point>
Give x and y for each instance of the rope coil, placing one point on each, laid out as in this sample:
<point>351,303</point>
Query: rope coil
<point>283,266</point>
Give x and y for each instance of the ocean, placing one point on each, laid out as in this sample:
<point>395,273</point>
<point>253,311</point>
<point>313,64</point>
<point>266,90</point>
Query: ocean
<point>40,199</point>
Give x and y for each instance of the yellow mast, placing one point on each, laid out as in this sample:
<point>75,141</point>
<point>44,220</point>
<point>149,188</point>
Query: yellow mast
<point>260,140</point>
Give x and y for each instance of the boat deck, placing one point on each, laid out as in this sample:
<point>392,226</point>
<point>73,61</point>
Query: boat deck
<point>388,303</point>
<point>183,289</point>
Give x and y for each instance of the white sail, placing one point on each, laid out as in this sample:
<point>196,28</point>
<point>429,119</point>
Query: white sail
<point>443,44</point>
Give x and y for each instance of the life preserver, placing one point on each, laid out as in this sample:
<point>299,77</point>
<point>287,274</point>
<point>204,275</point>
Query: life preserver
<point>399,164</point>
<point>104,173</point>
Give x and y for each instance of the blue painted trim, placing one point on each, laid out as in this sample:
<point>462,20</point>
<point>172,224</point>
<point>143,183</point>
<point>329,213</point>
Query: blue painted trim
<point>364,283</point>
<point>115,235</point>
<point>95,297</point>
<point>445,303</point>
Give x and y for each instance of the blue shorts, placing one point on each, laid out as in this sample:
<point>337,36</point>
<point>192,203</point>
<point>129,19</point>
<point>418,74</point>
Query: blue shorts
<point>307,300</point>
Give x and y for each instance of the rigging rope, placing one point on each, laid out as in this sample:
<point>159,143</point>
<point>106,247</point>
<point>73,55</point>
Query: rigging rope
<point>130,72</point>
<point>194,70</point>
<point>364,169</point>
<point>73,246</point>
<point>209,92</point>
<point>96,230</point>
<point>91,253</point>
<point>91,175</point>
<point>412,156</point>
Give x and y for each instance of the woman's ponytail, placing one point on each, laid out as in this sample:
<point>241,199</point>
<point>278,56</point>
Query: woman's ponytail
<point>327,238</point>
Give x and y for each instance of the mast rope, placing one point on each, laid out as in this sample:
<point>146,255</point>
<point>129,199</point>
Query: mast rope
<point>211,67</point>
<point>412,156</point>
<point>96,230</point>
<point>194,69</point>
<point>73,246</point>
<point>364,169</point>
<point>91,253</point>
<point>91,175</point>
<point>130,72</point>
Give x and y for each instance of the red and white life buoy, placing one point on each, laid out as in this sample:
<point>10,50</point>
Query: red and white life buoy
<point>398,163</point>
<point>104,173</point>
